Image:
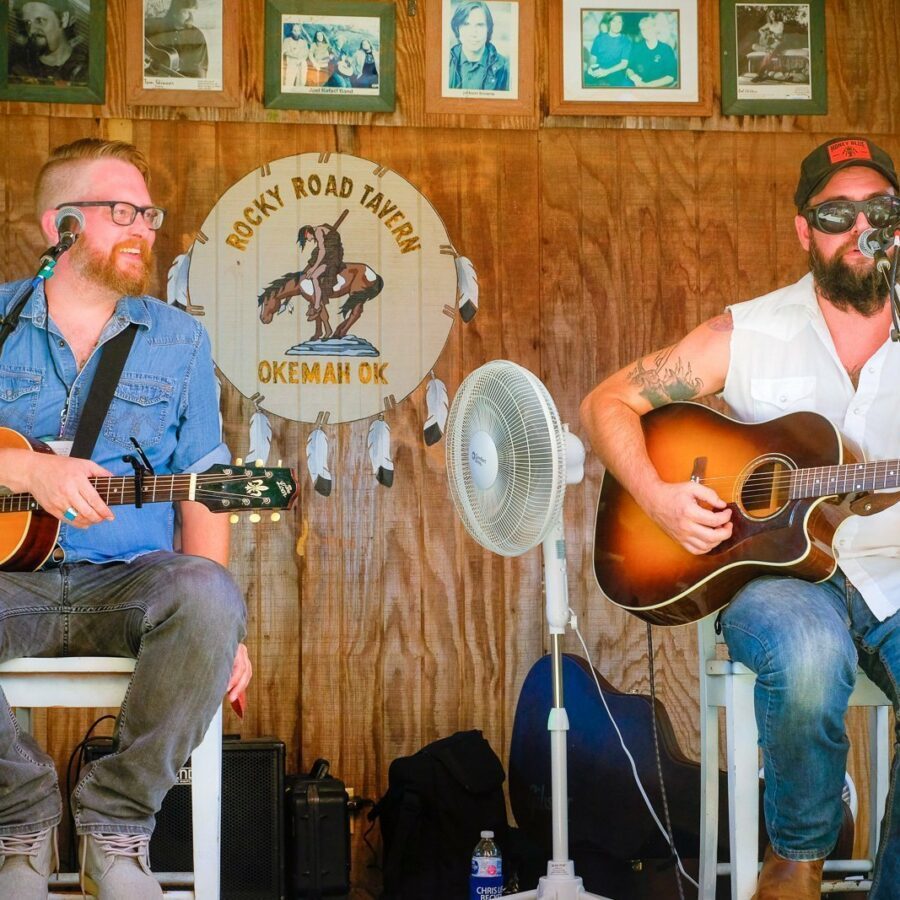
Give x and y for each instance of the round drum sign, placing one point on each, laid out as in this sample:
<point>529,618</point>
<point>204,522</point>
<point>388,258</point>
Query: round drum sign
<point>327,284</point>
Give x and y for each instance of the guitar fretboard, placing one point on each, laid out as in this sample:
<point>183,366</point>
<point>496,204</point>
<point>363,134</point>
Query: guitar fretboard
<point>120,490</point>
<point>846,479</point>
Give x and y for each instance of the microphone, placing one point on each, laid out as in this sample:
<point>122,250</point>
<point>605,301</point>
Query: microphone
<point>874,239</point>
<point>69,223</point>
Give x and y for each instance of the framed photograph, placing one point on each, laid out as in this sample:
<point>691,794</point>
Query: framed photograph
<point>182,53</point>
<point>53,51</point>
<point>479,57</point>
<point>637,58</point>
<point>773,58</point>
<point>330,54</point>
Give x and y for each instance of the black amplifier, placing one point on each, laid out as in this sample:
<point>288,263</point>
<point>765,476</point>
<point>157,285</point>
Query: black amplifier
<point>252,820</point>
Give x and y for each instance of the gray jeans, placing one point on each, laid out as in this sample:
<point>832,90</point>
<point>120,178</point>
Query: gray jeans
<point>181,617</point>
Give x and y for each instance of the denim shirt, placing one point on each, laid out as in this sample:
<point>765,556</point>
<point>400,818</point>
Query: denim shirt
<point>166,399</point>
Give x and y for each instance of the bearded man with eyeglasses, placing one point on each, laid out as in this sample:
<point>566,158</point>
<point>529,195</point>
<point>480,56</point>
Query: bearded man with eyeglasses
<point>821,345</point>
<point>114,585</point>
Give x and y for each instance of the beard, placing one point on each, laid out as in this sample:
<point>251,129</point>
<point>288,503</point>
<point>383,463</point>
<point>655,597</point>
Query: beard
<point>91,264</point>
<point>844,286</point>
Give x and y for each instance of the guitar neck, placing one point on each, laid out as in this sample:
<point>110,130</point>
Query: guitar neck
<point>846,479</point>
<point>121,490</point>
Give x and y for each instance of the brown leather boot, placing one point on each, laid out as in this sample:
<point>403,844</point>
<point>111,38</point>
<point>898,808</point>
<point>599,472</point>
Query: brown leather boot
<point>789,879</point>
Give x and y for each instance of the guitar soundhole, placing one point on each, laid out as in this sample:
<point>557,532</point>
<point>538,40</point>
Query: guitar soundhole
<point>765,487</point>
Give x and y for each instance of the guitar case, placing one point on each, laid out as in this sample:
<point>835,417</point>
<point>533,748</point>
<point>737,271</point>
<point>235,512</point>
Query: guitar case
<point>608,820</point>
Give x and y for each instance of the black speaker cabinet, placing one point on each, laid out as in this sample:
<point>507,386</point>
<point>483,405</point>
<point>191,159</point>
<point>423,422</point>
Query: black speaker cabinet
<point>252,821</point>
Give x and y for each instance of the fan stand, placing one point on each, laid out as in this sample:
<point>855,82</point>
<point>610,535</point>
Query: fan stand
<point>560,882</point>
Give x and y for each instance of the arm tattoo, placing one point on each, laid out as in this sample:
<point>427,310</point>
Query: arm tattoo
<point>666,380</point>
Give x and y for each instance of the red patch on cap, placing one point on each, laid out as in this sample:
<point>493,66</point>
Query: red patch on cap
<point>844,150</point>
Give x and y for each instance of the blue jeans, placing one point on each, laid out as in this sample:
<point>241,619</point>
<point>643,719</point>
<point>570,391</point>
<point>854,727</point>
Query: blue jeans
<point>804,642</point>
<point>181,617</point>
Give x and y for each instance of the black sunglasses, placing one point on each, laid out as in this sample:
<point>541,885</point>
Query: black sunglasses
<point>838,216</point>
<point>124,213</point>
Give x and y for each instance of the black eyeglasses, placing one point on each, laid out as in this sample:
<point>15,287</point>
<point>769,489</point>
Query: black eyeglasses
<point>124,213</point>
<point>838,216</point>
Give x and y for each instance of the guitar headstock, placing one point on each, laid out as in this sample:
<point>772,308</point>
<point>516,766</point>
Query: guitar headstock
<point>239,488</point>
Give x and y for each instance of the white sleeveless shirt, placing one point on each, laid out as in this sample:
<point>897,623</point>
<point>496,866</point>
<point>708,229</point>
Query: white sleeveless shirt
<point>783,360</point>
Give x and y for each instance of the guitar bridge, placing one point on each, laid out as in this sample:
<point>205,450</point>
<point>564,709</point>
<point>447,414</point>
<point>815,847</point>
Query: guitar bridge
<point>698,473</point>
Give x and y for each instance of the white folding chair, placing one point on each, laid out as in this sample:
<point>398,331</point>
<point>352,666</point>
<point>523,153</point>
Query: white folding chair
<point>728,685</point>
<point>96,682</point>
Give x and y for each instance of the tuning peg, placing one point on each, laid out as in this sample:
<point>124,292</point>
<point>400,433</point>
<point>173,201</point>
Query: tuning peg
<point>255,517</point>
<point>239,461</point>
<point>279,464</point>
<point>234,519</point>
<point>276,517</point>
<point>259,463</point>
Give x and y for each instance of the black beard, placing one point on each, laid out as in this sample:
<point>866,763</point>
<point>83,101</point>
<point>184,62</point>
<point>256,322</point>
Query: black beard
<point>845,287</point>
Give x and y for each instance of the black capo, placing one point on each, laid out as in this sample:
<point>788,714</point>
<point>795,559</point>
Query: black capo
<point>141,467</point>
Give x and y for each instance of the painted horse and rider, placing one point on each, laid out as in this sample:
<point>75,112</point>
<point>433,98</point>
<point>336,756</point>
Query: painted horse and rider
<point>325,277</point>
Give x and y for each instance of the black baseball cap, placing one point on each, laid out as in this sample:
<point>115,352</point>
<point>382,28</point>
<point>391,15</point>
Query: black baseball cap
<point>837,154</point>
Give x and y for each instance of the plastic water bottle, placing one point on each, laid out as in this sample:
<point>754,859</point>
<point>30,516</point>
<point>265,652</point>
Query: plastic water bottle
<point>486,880</point>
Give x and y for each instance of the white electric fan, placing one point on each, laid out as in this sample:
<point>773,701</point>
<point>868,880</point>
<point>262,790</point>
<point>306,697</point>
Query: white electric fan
<point>508,460</point>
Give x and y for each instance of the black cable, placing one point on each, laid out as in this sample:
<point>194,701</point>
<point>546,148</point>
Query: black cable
<point>79,752</point>
<point>662,785</point>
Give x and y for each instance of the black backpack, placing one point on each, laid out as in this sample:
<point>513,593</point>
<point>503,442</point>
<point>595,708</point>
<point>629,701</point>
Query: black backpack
<point>437,803</point>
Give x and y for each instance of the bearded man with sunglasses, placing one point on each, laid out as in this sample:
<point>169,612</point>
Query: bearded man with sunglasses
<point>114,585</point>
<point>822,345</point>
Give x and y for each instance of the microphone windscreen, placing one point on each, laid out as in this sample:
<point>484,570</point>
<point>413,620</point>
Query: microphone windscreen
<point>75,217</point>
<point>868,243</point>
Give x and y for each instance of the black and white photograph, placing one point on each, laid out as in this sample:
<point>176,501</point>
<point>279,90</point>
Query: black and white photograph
<point>480,49</point>
<point>773,51</point>
<point>630,49</point>
<point>48,42</point>
<point>183,45</point>
<point>330,54</point>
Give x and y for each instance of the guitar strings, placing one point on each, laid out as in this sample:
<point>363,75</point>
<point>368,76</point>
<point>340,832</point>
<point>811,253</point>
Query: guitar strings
<point>127,494</point>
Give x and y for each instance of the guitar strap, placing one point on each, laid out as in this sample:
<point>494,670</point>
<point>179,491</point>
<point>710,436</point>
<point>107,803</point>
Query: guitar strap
<point>112,360</point>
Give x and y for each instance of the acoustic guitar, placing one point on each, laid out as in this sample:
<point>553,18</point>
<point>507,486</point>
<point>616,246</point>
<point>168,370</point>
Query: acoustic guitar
<point>788,482</point>
<point>28,533</point>
<point>161,61</point>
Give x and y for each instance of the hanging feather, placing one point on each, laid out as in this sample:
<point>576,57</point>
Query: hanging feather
<point>177,281</point>
<point>379,443</point>
<point>437,402</point>
<point>467,286</point>
<point>317,461</point>
<point>260,437</point>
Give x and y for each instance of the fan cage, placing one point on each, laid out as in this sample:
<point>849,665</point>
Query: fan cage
<point>510,404</point>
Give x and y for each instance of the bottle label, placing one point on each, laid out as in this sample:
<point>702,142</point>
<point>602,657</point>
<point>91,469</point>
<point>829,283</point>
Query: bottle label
<point>486,880</point>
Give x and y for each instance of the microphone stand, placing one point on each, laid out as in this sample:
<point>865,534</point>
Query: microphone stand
<point>49,259</point>
<point>892,289</point>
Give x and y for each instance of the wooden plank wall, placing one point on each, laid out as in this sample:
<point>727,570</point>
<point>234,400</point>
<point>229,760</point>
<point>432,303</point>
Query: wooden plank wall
<point>595,240</point>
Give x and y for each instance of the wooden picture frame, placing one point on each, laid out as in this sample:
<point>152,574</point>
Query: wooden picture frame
<point>508,29</point>
<point>773,58</point>
<point>625,75</point>
<point>192,63</point>
<point>81,78</point>
<point>345,56</point>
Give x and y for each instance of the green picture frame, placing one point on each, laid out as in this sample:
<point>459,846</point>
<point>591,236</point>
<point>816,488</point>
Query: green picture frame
<point>773,58</point>
<point>23,78</point>
<point>337,69</point>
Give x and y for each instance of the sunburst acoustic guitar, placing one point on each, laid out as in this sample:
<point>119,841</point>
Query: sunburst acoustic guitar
<point>28,534</point>
<point>789,483</point>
